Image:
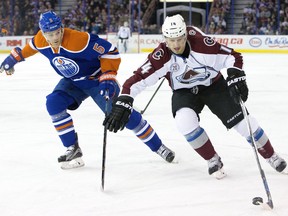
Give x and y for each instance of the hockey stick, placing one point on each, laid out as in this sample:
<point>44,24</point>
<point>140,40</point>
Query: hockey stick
<point>257,200</point>
<point>104,141</point>
<point>142,111</point>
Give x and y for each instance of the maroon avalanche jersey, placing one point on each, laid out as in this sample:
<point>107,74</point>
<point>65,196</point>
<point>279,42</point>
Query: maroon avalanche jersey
<point>204,61</point>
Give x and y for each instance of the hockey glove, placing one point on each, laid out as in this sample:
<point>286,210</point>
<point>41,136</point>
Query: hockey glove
<point>108,82</point>
<point>8,64</point>
<point>121,110</point>
<point>236,82</point>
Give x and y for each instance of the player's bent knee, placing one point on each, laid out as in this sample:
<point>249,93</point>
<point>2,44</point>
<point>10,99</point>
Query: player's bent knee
<point>186,120</point>
<point>58,101</point>
<point>134,120</point>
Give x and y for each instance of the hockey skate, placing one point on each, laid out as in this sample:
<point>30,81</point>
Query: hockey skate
<point>215,167</point>
<point>166,153</point>
<point>72,157</point>
<point>278,163</point>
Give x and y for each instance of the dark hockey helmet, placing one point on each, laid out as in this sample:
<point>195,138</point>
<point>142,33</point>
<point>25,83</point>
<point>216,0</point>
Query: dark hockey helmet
<point>49,21</point>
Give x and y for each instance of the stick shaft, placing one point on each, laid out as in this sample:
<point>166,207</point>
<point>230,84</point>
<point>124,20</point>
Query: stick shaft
<point>104,142</point>
<point>142,111</point>
<point>253,143</point>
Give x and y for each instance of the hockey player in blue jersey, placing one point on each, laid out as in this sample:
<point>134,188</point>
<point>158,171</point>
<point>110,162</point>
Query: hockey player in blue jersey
<point>88,66</point>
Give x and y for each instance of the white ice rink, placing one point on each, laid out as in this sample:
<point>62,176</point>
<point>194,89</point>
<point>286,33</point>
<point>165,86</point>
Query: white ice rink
<point>138,182</point>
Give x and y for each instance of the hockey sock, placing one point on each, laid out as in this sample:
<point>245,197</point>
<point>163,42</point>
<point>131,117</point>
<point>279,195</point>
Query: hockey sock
<point>63,124</point>
<point>264,146</point>
<point>201,143</point>
<point>144,131</point>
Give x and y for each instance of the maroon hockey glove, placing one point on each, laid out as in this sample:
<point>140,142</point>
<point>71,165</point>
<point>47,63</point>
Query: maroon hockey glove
<point>236,82</point>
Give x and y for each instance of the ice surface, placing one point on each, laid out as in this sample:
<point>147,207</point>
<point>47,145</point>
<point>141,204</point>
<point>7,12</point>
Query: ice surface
<point>138,182</point>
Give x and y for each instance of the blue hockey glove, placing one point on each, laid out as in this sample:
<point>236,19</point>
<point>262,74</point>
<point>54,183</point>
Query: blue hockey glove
<point>120,114</point>
<point>236,82</point>
<point>108,82</point>
<point>8,64</point>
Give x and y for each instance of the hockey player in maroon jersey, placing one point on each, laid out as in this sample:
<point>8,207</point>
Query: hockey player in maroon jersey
<point>88,66</point>
<point>191,62</point>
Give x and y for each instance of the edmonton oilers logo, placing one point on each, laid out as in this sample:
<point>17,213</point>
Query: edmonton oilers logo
<point>65,66</point>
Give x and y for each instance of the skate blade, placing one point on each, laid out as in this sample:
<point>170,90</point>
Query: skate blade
<point>220,174</point>
<point>76,163</point>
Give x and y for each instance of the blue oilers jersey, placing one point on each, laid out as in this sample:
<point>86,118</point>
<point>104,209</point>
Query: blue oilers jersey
<point>80,55</point>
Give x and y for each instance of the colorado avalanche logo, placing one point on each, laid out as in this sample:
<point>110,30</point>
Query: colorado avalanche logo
<point>174,67</point>
<point>65,66</point>
<point>158,54</point>
<point>209,41</point>
<point>193,75</point>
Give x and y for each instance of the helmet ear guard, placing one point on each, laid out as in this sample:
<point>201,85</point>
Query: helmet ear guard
<point>174,26</point>
<point>49,21</point>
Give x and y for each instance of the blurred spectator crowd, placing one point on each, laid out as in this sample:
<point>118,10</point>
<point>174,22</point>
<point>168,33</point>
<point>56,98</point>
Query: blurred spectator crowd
<point>25,12</point>
<point>261,17</point>
<point>94,16</point>
<point>88,15</point>
<point>218,17</point>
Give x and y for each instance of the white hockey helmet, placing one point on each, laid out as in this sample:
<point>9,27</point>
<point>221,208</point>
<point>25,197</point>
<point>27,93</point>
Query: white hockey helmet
<point>174,26</point>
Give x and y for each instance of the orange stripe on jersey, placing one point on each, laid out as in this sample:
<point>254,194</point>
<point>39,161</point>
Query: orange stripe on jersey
<point>74,40</point>
<point>109,64</point>
<point>40,40</point>
<point>28,51</point>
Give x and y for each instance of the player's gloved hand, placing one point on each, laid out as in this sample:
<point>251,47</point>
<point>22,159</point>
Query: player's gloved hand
<point>121,110</point>
<point>107,81</point>
<point>236,82</point>
<point>8,64</point>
